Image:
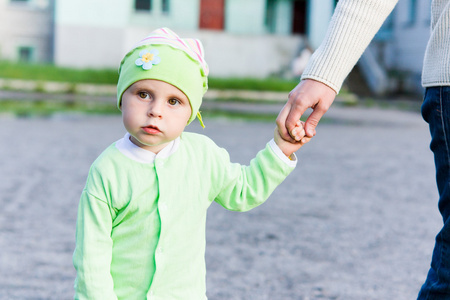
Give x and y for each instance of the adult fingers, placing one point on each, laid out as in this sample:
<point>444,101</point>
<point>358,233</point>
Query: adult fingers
<point>322,98</point>
<point>298,103</point>
<point>313,120</point>
<point>296,111</point>
<point>307,94</point>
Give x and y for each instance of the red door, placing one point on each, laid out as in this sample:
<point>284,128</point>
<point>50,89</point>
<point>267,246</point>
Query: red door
<point>212,14</point>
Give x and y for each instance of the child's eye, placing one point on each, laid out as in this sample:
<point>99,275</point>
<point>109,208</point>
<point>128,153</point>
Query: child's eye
<point>173,101</point>
<point>144,95</point>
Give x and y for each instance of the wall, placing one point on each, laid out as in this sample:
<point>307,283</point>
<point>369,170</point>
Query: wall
<point>183,14</point>
<point>245,17</point>
<point>320,13</point>
<point>97,32</point>
<point>83,39</point>
<point>94,14</point>
<point>248,55</point>
<point>121,14</point>
<point>227,54</point>
<point>283,17</point>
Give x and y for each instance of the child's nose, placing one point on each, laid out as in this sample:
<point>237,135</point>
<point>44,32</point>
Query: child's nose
<point>155,109</point>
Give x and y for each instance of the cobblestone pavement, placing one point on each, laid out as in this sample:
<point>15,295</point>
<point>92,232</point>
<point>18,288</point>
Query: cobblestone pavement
<point>356,220</point>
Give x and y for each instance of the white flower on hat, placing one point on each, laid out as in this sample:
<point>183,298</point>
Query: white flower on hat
<point>148,58</point>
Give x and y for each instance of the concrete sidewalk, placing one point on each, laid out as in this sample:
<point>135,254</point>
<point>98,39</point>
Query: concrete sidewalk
<point>355,221</point>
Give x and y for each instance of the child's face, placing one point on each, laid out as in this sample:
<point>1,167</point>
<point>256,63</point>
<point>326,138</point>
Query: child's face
<point>154,113</point>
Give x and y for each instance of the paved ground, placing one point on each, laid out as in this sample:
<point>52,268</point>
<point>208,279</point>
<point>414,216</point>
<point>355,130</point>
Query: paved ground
<point>356,220</point>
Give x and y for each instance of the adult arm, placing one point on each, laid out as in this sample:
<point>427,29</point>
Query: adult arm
<point>352,27</point>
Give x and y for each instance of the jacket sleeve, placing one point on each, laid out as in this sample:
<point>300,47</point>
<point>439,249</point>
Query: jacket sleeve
<point>93,251</point>
<point>352,27</point>
<point>245,187</point>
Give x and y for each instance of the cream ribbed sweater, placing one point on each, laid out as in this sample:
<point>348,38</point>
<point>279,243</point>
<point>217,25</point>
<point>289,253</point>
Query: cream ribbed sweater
<point>353,26</point>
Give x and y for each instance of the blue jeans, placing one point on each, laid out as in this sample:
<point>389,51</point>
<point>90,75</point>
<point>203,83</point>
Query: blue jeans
<point>436,112</point>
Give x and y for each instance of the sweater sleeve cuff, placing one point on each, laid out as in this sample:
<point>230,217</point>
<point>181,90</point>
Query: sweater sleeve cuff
<point>336,87</point>
<point>291,162</point>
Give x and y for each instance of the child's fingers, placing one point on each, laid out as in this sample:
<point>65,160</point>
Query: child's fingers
<point>305,140</point>
<point>298,132</point>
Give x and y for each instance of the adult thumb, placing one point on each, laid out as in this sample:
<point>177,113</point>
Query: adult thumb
<point>312,122</point>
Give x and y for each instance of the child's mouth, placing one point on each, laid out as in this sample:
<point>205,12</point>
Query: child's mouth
<point>151,129</point>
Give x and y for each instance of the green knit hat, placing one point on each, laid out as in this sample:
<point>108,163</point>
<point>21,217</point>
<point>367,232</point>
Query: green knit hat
<point>165,56</point>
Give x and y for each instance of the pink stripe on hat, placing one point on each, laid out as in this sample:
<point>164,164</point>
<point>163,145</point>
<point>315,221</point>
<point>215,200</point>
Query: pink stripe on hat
<point>192,47</point>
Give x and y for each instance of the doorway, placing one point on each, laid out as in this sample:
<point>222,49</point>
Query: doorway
<point>299,17</point>
<point>212,14</point>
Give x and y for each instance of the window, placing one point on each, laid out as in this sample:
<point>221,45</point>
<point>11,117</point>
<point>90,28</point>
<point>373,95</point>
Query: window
<point>270,16</point>
<point>25,54</point>
<point>143,5</point>
<point>412,13</point>
<point>165,6</point>
<point>19,2</point>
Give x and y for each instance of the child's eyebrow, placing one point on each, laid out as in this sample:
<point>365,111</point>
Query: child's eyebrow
<point>182,99</point>
<point>180,96</point>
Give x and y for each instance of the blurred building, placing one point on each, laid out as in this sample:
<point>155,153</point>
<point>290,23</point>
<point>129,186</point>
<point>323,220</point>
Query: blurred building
<point>26,30</point>
<point>255,38</point>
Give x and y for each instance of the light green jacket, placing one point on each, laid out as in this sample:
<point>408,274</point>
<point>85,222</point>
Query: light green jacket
<point>141,227</point>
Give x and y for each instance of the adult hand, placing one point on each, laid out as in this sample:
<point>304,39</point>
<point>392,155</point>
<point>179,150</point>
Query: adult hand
<point>307,94</point>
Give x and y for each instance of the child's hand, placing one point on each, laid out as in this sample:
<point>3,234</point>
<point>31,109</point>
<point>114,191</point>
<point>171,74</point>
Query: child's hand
<point>289,148</point>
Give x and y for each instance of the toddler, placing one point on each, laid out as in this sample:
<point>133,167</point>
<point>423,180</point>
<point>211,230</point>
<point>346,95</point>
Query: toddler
<point>141,218</point>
